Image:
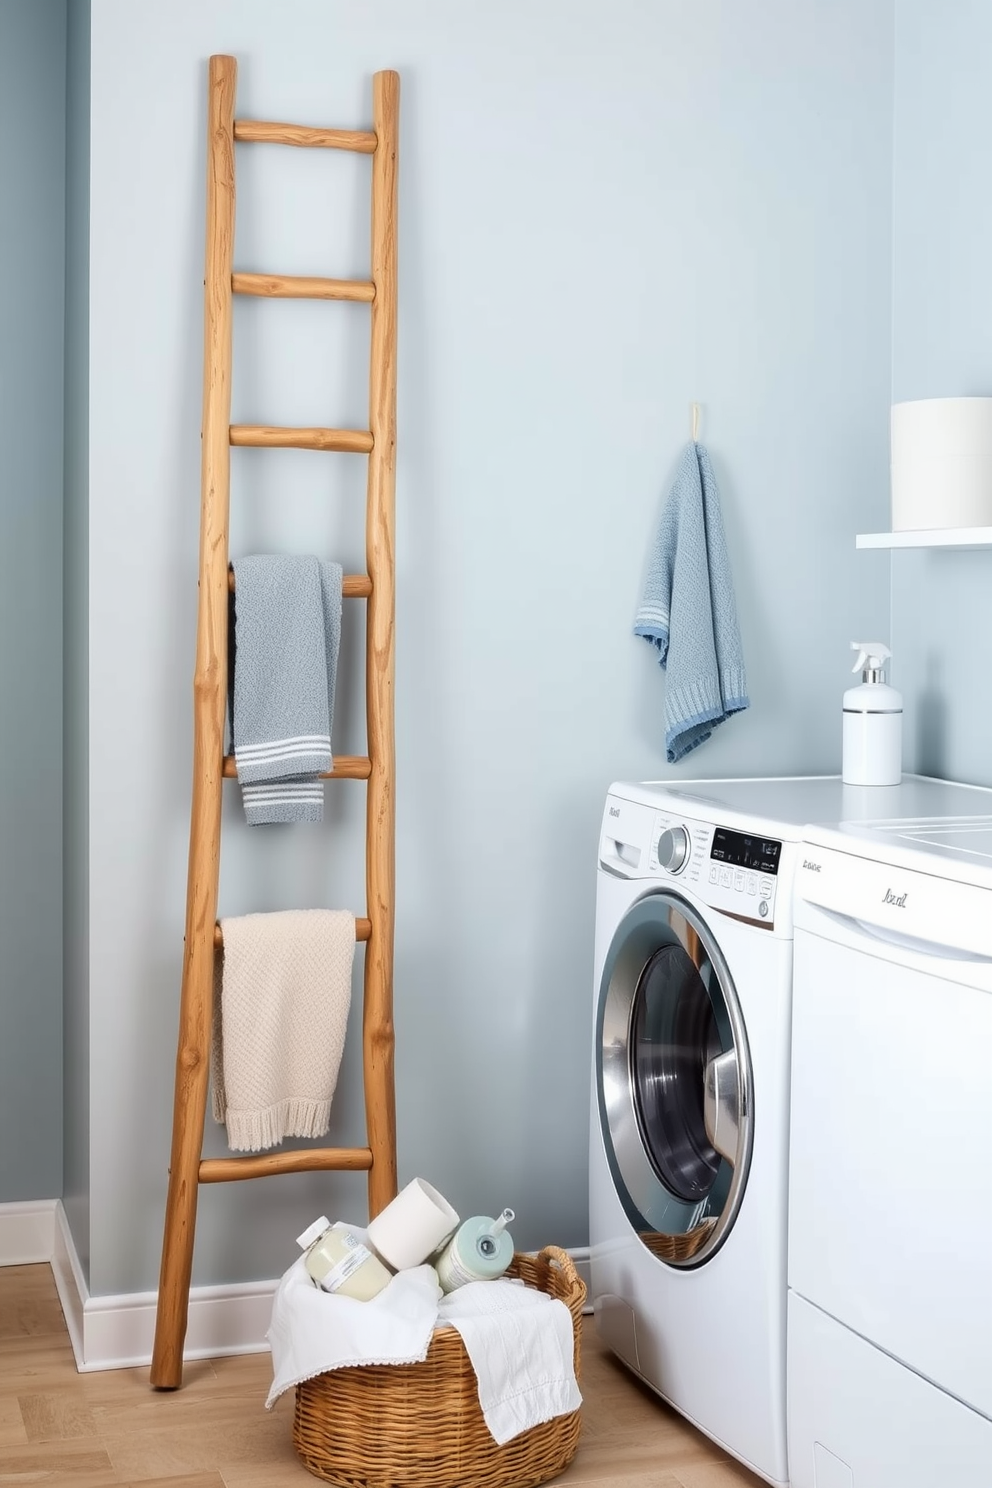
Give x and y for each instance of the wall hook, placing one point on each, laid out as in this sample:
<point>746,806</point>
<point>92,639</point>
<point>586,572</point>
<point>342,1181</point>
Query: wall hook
<point>695,422</point>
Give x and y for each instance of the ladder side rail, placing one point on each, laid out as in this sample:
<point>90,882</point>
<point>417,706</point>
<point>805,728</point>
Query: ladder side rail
<point>209,697</point>
<point>378,1039</point>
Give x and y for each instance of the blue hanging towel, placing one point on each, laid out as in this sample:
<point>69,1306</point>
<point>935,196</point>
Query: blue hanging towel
<point>688,610</point>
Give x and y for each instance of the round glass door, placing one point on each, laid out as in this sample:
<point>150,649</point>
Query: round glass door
<point>674,1080</point>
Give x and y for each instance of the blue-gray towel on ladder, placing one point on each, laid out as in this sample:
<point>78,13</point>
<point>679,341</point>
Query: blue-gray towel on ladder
<point>688,610</point>
<point>286,633</point>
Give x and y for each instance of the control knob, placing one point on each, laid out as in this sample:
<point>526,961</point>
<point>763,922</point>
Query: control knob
<point>673,849</point>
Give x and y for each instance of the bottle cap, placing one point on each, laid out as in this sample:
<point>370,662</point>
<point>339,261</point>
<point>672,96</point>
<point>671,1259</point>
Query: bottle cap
<point>313,1232</point>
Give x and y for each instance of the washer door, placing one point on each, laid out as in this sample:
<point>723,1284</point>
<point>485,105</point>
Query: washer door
<point>674,1080</point>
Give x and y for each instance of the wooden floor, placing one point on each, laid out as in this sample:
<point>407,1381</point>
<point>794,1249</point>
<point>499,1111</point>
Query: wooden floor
<point>94,1430</point>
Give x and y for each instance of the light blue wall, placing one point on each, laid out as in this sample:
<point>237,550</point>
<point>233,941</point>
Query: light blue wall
<point>942,347</point>
<point>606,213</point>
<point>76,1183</point>
<point>32,263</point>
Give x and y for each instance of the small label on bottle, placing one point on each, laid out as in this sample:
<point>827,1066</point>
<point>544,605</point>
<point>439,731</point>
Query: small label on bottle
<point>357,1255</point>
<point>452,1271</point>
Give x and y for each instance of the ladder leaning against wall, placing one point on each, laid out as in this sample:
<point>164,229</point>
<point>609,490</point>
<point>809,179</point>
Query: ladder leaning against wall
<point>188,1169</point>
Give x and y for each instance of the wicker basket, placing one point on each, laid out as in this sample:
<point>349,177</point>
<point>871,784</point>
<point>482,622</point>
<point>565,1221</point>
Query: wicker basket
<point>421,1425</point>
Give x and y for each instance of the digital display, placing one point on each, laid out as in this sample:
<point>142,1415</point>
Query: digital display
<point>742,851</point>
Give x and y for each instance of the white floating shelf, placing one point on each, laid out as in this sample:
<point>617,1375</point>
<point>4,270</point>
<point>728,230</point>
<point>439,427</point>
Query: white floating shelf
<point>934,537</point>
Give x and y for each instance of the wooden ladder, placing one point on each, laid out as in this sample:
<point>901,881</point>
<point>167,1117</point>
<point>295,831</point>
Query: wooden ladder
<point>188,1169</point>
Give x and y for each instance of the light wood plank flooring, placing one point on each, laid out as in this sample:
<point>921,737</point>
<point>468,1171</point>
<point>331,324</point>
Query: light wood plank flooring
<point>97,1430</point>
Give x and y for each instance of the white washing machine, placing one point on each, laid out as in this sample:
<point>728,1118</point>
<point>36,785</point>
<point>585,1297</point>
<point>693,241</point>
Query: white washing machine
<point>690,1099</point>
<point>890,1251</point>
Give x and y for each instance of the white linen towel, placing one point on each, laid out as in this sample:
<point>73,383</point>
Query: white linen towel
<point>521,1345</point>
<point>282,991</point>
<point>313,1331</point>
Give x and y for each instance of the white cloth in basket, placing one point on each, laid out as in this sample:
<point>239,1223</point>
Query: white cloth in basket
<point>521,1345</point>
<point>313,1331</point>
<point>519,1340</point>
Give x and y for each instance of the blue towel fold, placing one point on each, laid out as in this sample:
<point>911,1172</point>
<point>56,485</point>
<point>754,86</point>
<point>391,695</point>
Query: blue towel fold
<point>287,632</point>
<point>688,610</point>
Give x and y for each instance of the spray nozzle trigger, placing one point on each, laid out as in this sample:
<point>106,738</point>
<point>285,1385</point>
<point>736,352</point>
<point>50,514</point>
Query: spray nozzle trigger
<point>499,1225</point>
<point>488,1241</point>
<point>871,655</point>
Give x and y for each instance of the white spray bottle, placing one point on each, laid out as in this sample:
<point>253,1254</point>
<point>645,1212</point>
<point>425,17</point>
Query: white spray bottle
<point>872,722</point>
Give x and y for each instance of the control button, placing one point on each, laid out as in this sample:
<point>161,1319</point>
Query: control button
<point>739,881</point>
<point>714,875</point>
<point>766,887</point>
<point>726,877</point>
<point>763,909</point>
<point>673,849</point>
<point>752,884</point>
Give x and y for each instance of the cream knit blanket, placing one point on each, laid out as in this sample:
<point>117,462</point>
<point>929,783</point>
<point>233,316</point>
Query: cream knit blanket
<point>282,991</point>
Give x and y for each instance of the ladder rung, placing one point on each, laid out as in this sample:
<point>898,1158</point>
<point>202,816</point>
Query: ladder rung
<point>363,929</point>
<point>262,436</point>
<point>353,586</point>
<point>346,767</point>
<point>257,132</point>
<point>306,1160</point>
<point>300,287</point>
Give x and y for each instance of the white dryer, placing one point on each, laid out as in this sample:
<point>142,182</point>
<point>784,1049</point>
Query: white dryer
<point>690,1090</point>
<point>890,1301</point>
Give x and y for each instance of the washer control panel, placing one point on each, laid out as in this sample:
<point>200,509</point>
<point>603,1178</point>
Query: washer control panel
<point>733,871</point>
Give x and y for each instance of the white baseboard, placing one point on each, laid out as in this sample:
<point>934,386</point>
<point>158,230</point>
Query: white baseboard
<point>27,1232</point>
<point>118,1332</point>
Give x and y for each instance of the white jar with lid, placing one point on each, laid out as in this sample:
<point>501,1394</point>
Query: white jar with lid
<point>337,1261</point>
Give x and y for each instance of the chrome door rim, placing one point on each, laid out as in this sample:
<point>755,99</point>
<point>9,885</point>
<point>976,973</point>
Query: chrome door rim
<point>645,929</point>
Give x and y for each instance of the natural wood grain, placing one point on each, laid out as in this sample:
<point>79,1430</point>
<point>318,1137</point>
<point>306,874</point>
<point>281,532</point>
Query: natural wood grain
<point>303,1160</point>
<point>256,131</point>
<point>187,1170</point>
<point>269,436</point>
<point>82,1464</point>
<point>12,1432</point>
<point>209,703</point>
<point>717,1475</point>
<point>216,1434</point>
<point>55,1416</point>
<point>30,1310</point>
<point>346,767</point>
<point>303,287</point>
<point>380,525</point>
<point>188,1480</point>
